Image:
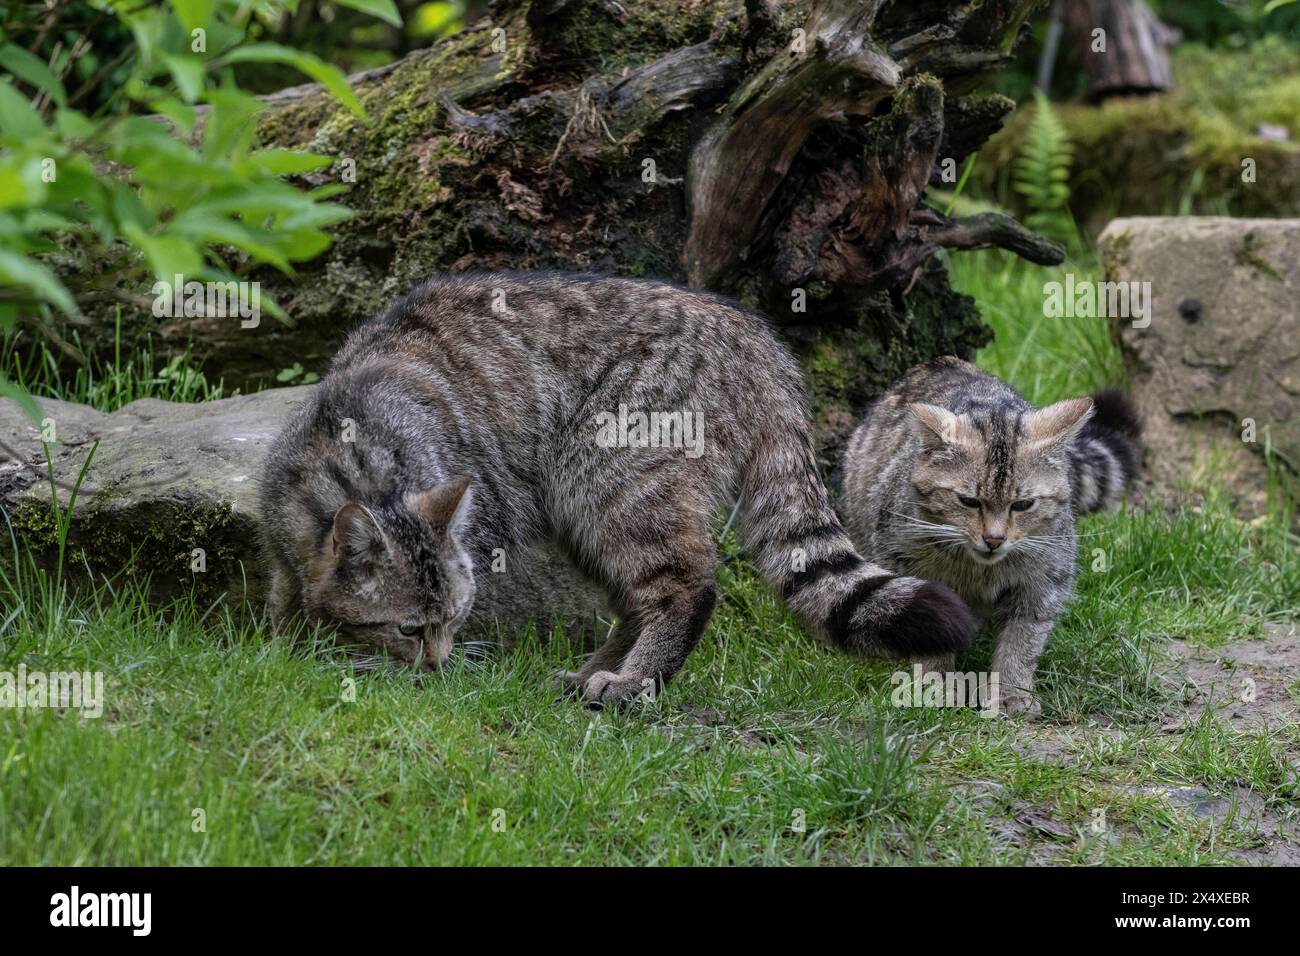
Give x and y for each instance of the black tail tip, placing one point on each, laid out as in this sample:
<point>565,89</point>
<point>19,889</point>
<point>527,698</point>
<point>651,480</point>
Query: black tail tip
<point>1114,410</point>
<point>934,621</point>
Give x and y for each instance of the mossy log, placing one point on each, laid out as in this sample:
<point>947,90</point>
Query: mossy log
<point>1151,156</point>
<point>776,153</point>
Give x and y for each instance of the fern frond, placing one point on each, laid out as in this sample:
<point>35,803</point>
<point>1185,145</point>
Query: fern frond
<point>1042,172</point>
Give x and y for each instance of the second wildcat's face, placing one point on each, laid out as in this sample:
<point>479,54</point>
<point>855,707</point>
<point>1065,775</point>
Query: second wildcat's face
<point>396,580</point>
<point>992,484</point>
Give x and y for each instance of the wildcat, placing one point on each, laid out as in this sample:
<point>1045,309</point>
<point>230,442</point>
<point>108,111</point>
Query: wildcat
<point>953,476</point>
<point>472,420</point>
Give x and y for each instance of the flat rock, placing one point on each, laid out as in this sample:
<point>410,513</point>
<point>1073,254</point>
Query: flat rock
<point>1222,349</point>
<point>170,492</point>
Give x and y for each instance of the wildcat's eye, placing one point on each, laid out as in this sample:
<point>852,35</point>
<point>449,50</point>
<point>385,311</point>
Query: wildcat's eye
<point>969,502</point>
<point>411,630</point>
<point>1023,505</point>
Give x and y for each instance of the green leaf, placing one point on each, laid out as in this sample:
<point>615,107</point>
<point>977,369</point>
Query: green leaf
<point>73,125</point>
<point>17,118</point>
<point>27,66</point>
<point>385,10</point>
<point>326,74</point>
<point>203,226</point>
<point>229,127</point>
<point>17,269</point>
<point>434,19</point>
<point>149,25</point>
<point>272,308</point>
<point>181,115</point>
<point>1042,171</point>
<point>193,13</point>
<point>20,182</point>
<point>21,397</point>
<point>168,255</point>
<point>80,194</point>
<point>285,162</point>
<point>125,205</point>
<point>42,220</point>
<point>306,244</point>
<point>188,72</point>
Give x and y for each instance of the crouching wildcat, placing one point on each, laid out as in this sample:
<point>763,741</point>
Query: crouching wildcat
<point>466,423</point>
<point>954,477</point>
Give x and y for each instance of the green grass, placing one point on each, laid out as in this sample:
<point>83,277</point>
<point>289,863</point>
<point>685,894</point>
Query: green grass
<point>483,765</point>
<point>1046,359</point>
<point>764,729</point>
<point>35,367</point>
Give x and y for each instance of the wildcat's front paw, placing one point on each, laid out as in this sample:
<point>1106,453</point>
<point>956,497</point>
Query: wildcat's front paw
<point>566,682</point>
<point>609,689</point>
<point>1020,703</point>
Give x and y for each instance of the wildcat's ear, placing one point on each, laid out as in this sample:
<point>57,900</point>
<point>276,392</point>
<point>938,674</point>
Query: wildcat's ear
<point>942,426</point>
<point>445,506</point>
<point>358,540</point>
<point>1057,423</point>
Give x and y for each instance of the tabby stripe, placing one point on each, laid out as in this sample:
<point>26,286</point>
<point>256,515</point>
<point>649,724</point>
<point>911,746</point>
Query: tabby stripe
<point>837,563</point>
<point>840,624</point>
<point>821,532</point>
<point>666,570</point>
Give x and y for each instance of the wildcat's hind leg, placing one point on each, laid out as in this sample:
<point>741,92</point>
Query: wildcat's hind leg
<point>607,657</point>
<point>668,606</point>
<point>658,569</point>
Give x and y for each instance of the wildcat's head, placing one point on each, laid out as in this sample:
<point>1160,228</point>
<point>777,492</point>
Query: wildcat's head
<point>395,578</point>
<point>994,480</point>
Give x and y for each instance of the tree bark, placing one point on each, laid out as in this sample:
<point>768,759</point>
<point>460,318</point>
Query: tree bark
<point>776,153</point>
<point>1135,60</point>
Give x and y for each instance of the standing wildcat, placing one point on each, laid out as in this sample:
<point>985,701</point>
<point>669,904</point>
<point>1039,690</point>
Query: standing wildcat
<point>954,476</point>
<point>472,419</point>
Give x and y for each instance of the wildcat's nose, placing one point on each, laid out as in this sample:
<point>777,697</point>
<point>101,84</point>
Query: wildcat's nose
<point>994,541</point>
<point>437,651</point>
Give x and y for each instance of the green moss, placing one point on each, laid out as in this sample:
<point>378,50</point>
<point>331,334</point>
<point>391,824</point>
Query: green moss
<point>1178,153</point>
<point>35,525</point>
<point>125,546</point>
<point>851,361</point>
<point>586,36</point>
<point>829,373</point>
<point>1250,255</point>
<point>400,149</point>
<point>1114,253</point>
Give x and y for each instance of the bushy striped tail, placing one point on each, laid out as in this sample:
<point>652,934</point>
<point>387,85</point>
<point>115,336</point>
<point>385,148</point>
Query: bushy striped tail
<point>1106,454</point>
<point>802,550</point>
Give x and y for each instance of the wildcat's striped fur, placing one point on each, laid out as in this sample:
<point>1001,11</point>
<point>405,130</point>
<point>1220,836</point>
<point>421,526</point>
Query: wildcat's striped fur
<point>1105,457</point>
<point>953,476</point>
<point>473,408</point>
